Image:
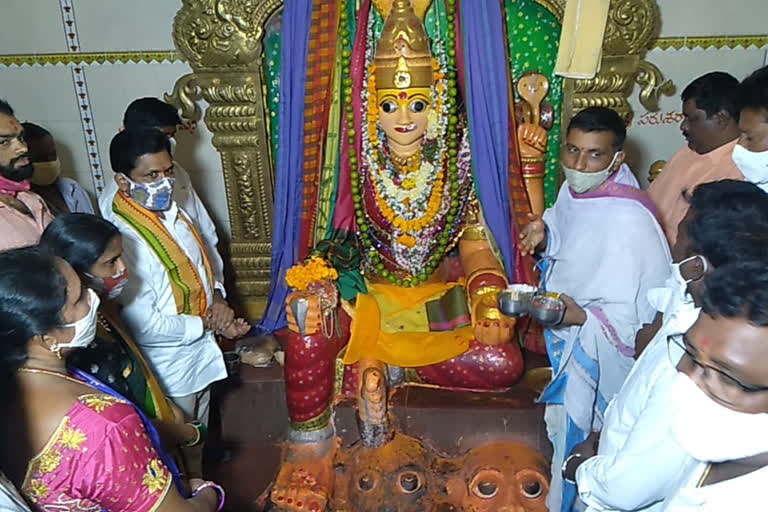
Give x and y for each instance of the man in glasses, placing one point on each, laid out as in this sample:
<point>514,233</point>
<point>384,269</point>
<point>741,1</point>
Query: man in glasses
<point>727,222</point>
<point>720,397</point>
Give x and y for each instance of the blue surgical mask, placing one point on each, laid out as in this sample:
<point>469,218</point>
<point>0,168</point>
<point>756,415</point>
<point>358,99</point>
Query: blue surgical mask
<point>155,197</point>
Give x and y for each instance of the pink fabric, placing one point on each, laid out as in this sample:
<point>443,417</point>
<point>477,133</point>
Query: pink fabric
<point>685,171</point>
<point>11,188</point>
<point>100,457</point>
<point>613,187</point>
<point>19,229</point>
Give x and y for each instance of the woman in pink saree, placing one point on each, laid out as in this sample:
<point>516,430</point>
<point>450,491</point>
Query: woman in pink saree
<point>71,443</point>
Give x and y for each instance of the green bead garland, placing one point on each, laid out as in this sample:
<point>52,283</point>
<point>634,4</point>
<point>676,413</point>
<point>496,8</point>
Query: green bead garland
<point>452,173</point>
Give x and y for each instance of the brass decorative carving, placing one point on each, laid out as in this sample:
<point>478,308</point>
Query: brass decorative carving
<point>222,41</point>
<point>631,26</point>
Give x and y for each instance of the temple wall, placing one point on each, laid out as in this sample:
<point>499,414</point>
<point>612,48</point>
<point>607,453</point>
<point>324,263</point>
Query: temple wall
<point>74,65</point>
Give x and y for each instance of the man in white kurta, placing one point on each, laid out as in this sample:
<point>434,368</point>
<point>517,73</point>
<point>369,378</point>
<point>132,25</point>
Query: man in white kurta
<point>602,248</point>
<point>151,113</point>
<point>638,463</point>
<point>180,347</point>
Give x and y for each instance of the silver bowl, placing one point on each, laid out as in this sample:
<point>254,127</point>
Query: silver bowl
<point>547,309</point>
<point>516,299</point>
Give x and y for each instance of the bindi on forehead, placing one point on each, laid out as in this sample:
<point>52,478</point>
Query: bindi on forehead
<point>704,342</point>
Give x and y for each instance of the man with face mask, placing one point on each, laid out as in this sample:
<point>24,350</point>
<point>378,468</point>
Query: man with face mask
<point>151,113</point>
<point>751,152</point>
<point>727,222</point>
<point>710,127</point>
<point>23,214</point>
<point>719,400</point>
<point>601,247</point>
<point>62,195</point>
<point>172,302</point>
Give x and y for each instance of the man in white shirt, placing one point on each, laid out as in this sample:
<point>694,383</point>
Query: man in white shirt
<point>173,303</point>
<point>638,464</point>
<point>720,397</point>
<point>151,113</point>
<point>603,249</point>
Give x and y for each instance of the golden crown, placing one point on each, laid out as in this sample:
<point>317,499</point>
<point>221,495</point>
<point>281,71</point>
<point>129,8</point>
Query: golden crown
<point>403,59</point>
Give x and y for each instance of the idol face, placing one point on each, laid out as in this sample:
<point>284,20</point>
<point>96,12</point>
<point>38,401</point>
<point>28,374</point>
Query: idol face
<point>404,114</point>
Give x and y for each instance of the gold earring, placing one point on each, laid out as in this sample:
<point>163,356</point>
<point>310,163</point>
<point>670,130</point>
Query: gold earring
<point>56,350</point>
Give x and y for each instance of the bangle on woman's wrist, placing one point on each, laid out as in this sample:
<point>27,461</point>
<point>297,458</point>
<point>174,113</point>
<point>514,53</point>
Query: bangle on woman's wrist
<point>216,487</point>
<point>201,432</point>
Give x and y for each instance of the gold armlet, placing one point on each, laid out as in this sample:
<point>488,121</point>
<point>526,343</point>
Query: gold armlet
<point>474,232</point>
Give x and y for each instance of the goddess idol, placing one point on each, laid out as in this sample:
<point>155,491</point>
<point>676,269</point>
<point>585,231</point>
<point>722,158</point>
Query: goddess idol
<point>422,235</point>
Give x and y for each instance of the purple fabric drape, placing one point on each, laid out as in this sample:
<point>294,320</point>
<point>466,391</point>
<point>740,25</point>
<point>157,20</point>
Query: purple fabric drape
<point>487,102</point>
<point>297,16</point>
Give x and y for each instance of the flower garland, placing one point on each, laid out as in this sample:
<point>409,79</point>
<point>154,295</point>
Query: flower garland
<point>302,275</point>
<point>410,205</point>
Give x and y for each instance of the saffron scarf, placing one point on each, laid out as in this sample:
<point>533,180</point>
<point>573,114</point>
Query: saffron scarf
<point>186,284</point>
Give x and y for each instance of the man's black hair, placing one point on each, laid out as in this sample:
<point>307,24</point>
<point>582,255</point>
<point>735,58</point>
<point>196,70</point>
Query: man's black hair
<point>714,92</point>
<point>601,119</point>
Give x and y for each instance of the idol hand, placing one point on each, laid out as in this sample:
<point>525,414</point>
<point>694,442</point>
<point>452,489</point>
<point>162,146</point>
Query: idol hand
<point>314,316</point>
<point>532,139</point>
<point>532,236</point>
<point>489,325</point>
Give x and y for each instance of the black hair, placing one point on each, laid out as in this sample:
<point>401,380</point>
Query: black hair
<point>34,131</point>
<point>150,113</point>
<point>78,238</point>
<point>600,119</point>
<point>127,146</point>
<point>729,223</point>
<point>32,294</point>
<point>6,108</point>
<point>738,290</point>
<point>753,92</point>
<point>714,92</point>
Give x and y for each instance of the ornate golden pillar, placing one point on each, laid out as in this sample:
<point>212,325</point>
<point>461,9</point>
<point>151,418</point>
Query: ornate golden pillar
<point>222,41</point>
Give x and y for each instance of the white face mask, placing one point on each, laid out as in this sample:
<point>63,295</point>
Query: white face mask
<point>581,182</point>
<point>85,328</point>
<point>754,166</point>
<point>711,432</point>
<point>681,284</point>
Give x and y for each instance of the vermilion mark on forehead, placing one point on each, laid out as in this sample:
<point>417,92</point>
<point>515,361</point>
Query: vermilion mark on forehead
<point>402,95</point>
<point>704,342</point>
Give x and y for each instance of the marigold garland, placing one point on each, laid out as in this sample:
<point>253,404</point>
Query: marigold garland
<point>445,167</point>
<point>302,275</point>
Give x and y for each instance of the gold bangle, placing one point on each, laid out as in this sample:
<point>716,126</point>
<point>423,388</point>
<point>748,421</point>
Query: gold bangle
<point>481,271</point>
<point>531,160</point>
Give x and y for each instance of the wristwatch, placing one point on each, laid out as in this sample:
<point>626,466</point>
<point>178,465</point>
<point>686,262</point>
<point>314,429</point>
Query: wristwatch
<point>565,467</point>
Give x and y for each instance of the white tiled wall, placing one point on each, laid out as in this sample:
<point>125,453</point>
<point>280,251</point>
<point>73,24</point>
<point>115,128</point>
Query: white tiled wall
<point>647,143</point>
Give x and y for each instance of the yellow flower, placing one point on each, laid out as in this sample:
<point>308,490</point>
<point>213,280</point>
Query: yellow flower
<point>406,240</point>
<point>39,489</point>
<point>155,478</point>
<point>98,402</point>
<point>49,461</point>
<point>72,438</point>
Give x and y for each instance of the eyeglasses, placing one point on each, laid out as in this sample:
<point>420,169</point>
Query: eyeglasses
<point>719,383</point>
